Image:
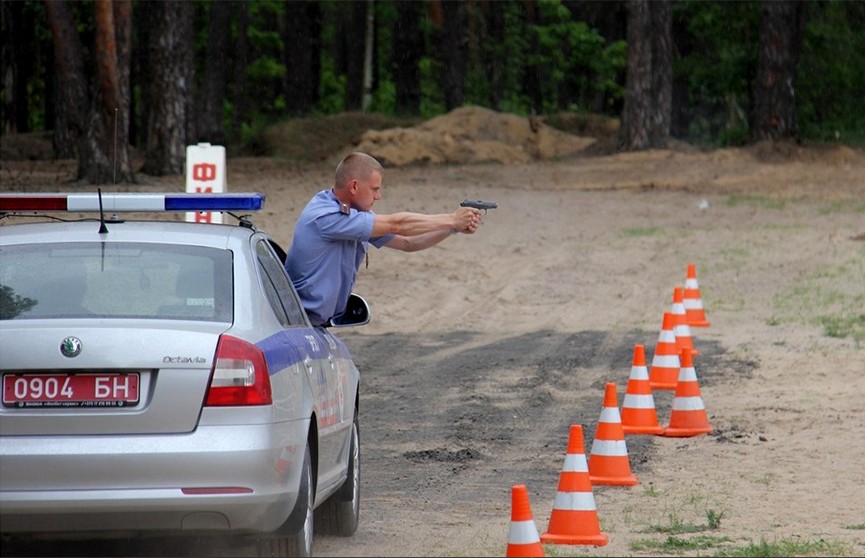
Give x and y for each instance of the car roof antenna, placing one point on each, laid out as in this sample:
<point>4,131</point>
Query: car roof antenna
<point>102,228</point>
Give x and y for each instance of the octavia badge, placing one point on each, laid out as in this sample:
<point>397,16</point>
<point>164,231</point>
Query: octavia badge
<point>70,347</point>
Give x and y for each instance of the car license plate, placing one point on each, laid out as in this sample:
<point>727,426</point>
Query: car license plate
<point>70,390</point>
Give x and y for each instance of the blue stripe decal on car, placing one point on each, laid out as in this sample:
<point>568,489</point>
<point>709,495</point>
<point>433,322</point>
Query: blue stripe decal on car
<point>289,347</point>
<point>281,350</point>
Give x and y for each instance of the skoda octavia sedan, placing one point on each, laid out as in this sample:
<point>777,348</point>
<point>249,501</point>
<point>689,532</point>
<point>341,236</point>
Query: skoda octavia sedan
<point>160,378</point>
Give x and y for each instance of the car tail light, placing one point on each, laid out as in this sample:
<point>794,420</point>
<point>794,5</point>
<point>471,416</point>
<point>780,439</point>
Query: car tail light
<point>239,375</point>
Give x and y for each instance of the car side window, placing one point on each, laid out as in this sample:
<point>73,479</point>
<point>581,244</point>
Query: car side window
<point>280,285</point>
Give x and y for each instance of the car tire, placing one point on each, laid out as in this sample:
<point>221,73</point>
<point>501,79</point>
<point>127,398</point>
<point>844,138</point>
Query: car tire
<point>294,537</point>
<point>340,514</point>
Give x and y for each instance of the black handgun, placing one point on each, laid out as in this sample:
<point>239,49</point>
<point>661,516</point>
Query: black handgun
<point>479,204</point>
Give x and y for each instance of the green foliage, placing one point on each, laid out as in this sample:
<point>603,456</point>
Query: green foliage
<point>432,100</point>
<point>718,44</point>
<point>572,64</point>
<point>831,76</point>
<point>573,59</point>
<point>384,98</point>
<point>331,90</point>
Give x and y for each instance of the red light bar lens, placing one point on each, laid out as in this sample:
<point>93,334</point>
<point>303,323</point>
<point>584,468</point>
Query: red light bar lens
<point>32,202</point>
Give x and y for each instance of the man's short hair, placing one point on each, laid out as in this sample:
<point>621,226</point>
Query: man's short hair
<point>357,165</point>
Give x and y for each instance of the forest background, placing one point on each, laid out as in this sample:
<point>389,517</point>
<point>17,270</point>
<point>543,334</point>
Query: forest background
<point>102,76</point>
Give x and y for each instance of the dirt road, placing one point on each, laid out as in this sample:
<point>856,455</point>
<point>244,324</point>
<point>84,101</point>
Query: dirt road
<point>484,350</point>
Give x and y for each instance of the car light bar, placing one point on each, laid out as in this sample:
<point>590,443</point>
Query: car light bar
<point>127,202</point>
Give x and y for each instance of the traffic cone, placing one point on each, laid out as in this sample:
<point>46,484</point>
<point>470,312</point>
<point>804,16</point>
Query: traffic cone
<point>681,330</point>
<point>639,415</point>
<point>608,460</point>
<point>574,519</point>
<point>688,417</point>
<point>664,372</point>
<point>694,312</point>
<point>523,538</point>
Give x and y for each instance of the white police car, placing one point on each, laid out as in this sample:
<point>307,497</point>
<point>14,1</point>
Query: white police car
<point>161,377</point>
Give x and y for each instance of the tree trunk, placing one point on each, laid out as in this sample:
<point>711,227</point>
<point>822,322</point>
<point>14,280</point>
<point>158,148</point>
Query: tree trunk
<point>661,14</point>
<point>774,90</point>
<point>171,77</point>
<point>19,61</point>
<point>114,51</point>
<point>298,56</point>
<point>493,57</point>
<point>648,86</point>
<point>350,62</point>
<point>368,55</point>
<point>452,48</point>
<point>532,76</point>
<point>408,47</point>
<point>69,65</point>
<point>101,139</point>
<point>241,77</point>
<point>211,128</point>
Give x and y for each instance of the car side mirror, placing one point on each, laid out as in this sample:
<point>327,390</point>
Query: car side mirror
<point>356,313</point>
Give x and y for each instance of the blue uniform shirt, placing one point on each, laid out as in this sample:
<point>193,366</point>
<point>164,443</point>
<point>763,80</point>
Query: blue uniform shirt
<point>325,254</point>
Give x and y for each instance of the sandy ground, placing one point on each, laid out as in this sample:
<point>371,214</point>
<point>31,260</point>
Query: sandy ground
<point>483,350</point>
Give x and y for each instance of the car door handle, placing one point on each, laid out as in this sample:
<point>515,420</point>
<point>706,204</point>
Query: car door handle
<point>308,363</point>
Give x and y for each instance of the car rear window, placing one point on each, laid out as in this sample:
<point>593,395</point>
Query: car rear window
<point>115,280</point>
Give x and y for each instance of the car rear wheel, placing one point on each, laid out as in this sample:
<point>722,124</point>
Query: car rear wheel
<point>294,538</point>
<point>340,514</point>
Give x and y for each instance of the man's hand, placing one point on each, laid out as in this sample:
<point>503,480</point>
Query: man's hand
<point>467,220</point>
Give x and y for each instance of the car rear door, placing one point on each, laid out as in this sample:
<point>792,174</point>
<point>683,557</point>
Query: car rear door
<point>325,378</point>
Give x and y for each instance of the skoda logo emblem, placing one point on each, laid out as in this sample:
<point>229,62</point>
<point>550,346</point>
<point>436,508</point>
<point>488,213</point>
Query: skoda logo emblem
<point>70,347</point>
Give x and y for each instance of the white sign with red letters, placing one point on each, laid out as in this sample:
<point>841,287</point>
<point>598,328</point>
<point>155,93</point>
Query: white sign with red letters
<point>205,173</point>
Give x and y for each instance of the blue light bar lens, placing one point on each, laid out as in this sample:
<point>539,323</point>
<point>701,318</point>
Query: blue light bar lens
<point>214,202</point>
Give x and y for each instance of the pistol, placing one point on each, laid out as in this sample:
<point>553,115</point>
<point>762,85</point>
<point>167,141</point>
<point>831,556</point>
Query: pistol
<point>479,204</point>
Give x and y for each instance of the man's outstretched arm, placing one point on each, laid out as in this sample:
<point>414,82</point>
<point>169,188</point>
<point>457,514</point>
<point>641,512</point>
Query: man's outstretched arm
<point>419,241</point>
<point>412,224</point>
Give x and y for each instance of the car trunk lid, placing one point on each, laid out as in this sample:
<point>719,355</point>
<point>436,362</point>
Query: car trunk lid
<point>129,377</point>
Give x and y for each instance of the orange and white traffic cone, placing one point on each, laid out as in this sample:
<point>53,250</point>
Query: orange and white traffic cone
<point>574,519</point>
<point>608,460</point>
<point>695,314</point>
<point>523,538</point>
<point>688,417</point>
<point>681,329</point>
<point>664,372</point>
<point>639,415</point>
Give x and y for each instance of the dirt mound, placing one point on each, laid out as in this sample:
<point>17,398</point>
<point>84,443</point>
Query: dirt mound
<point>472,135</point>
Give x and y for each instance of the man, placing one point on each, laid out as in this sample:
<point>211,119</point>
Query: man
<point>334,230</point>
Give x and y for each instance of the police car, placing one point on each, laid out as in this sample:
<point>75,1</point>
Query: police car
<point>161,378</point>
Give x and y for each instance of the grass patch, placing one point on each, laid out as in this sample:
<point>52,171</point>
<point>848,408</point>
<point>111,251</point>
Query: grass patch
<point>844,326</point>
<point>786,547</point>
<point>827,298</point>
<point>720,546</point>
<point>677,527</point>
<point>755,201</point>
<point>766,479</point>
<point>677,545</point>
<point>641,231</point>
